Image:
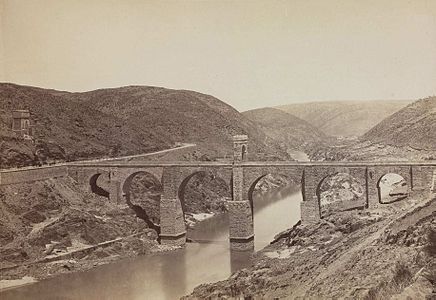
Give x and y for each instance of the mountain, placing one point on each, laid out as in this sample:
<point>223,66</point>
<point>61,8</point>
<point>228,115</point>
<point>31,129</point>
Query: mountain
<point>344,118</point>
<point>119,121</point>
<point>290,131</point>
<point>414,126</point>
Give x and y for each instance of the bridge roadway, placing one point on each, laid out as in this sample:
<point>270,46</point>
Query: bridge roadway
<point>230,164</point>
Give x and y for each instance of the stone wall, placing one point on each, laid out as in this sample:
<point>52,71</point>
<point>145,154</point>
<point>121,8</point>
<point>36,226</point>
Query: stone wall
<point>32,174</point>
<point>422,177</point>
<point>173,154</point>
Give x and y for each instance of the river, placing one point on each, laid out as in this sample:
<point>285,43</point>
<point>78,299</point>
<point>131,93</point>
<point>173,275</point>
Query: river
<point>173,274</point>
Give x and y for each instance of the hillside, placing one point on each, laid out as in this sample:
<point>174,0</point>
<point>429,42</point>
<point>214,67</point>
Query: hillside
<point>344,118</point>
<point>414,126</point>
<point>290,131</point>
<point>179,115</point>
<point>119,121</point>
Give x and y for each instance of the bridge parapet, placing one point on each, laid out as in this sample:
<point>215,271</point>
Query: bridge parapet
<point>16,176</point>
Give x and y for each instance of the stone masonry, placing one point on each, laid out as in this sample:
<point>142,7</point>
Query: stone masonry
<point>241,176</point>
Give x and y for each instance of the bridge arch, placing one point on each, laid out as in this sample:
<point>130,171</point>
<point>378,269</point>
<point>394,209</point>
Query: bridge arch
<point>340,191</point>
<point>376,176</point>
<point>392,187</point>
<point>203,190</point>
<point>281,181</point>
<point>127,183</point>
<point>93,183</point>
<point>273,200</point>
<point>95,188</point>
<point>142,192</point>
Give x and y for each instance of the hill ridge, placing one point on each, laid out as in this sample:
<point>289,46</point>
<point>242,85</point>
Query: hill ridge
<point>344,118</point>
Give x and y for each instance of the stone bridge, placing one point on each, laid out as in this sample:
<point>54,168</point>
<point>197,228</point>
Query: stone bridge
<point>241,176</point>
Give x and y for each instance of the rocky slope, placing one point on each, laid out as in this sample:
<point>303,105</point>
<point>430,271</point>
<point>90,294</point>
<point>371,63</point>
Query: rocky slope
<point>413,126</point>
<point>290,131</point>
<point>48,218</point>
<point>120,121</point>
<point>344,118</point>
<point>381,253</point>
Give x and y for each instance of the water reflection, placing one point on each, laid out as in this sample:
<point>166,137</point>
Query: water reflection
<point>275,212</point>
<point>240,260</point>
<point>173,274</point>
<point>214,229</point>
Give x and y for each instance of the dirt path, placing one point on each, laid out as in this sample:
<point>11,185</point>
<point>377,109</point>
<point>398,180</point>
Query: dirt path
<point>129,157</point>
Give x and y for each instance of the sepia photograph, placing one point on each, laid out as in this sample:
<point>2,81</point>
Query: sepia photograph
<point>217,149</point>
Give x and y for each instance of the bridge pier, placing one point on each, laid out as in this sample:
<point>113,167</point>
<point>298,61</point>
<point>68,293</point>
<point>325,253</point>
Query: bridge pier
<point>172,222</point>
<point>310,206</point>
<point>115,191</point>
<point>241,225</point>
<point>241,231</point>
<point>310,212</point>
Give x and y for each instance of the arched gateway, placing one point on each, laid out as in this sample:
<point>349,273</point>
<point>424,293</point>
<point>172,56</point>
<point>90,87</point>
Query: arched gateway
<point>241,175</point>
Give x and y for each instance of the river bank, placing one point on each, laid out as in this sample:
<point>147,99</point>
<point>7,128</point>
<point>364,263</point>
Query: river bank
<point>81,259</point>
<point>369,254</point>
<point>53,226</point>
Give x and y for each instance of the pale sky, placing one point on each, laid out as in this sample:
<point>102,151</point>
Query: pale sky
<point>247,53</point>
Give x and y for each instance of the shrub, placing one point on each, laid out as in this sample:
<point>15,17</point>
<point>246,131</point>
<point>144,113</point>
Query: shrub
<point>402,275</point>
<point>431,243</point>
